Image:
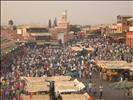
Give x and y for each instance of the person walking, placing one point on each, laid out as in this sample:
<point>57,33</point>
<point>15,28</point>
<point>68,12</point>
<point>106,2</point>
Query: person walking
<point>20,97</point>
<point>101,74</point>
<point>100,91</point>
<point>94,91</point>
<point>89,87</point>
<point>132,92</point>
<point>90,75</point>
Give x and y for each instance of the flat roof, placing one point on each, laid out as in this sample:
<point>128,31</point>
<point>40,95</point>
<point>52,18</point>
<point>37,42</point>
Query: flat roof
<point>32,26</point>
<point>130,19</point>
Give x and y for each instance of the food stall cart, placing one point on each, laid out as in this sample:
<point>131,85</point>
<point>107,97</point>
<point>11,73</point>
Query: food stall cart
<point>111,70</point>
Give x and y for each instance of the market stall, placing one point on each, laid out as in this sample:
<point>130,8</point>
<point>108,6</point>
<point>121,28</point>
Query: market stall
<point>90,49</point>
<point>64,96</point>
<point>112,70</point>
<point>59,78</point>
<point>35,84</point>
<point>73,74</point>
<point>72,86</point>
<point>40,84</point>
<point>76,49</point>
<point>80,48</point>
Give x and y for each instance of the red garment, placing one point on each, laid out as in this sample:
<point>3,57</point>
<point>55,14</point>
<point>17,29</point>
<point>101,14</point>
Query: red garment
<point>14,98</point>
<point>20,98</point>
<point>90,98</point>
<point>21,85</point>
<point>30,95</point>
<point>18,86</point>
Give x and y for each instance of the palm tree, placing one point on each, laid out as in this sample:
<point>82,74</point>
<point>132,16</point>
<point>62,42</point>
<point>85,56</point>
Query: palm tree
<point>49,23</point>
<point>10,22</point>
<point>55,21</point>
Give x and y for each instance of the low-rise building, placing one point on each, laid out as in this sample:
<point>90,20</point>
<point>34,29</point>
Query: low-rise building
<point>129,35</point>
<point>61,31</point>
<point>122,20</point>
<point>33,33</point>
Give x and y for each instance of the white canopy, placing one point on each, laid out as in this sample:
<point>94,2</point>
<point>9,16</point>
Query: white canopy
<point>114,64</point>
<point>62,84</point>
<point>131,69</point>
<point>36,84</point>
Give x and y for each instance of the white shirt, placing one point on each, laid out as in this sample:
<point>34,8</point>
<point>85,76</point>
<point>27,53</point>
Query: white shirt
<point>90,85</point>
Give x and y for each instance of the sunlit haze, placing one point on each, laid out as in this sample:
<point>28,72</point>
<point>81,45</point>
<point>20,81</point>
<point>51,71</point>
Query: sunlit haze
<point>79,12</point>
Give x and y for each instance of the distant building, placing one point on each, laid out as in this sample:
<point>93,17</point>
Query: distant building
<point>121,19</point>
<point>63,24</point>
<point>8,33</point>
<point>119,29</point>
<point>129,35</point>
<point>61,32</point>
<point>89,30</point>
<point>39,33</point>
<point>33,33</point>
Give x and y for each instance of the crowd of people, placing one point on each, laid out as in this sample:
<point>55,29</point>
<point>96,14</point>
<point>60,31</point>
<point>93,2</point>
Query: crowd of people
<point>40,61</point>
<point>105,49</point>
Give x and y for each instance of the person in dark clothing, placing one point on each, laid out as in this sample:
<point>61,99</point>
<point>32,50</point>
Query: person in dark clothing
<point>59,97</point>
<point>52,90</point>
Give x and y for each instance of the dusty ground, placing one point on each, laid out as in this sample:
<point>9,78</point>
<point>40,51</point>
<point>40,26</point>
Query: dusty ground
<point>108,93</point>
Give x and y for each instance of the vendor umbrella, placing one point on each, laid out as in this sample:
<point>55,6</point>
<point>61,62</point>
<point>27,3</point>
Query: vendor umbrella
<point>122,85</point>
<point>89,49</point>
<point>76,49</point>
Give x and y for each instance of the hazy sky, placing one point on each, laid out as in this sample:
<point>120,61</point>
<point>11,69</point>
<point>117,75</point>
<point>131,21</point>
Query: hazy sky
<point>79,12</point>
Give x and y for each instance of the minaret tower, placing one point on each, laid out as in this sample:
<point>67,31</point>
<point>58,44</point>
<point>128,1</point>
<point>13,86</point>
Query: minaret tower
<point>64,16</point>
<point>63,23</point>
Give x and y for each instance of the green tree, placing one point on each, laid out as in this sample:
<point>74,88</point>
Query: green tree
<point>74,28</point>
<point>55,22</point>
<point>49,24</point>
